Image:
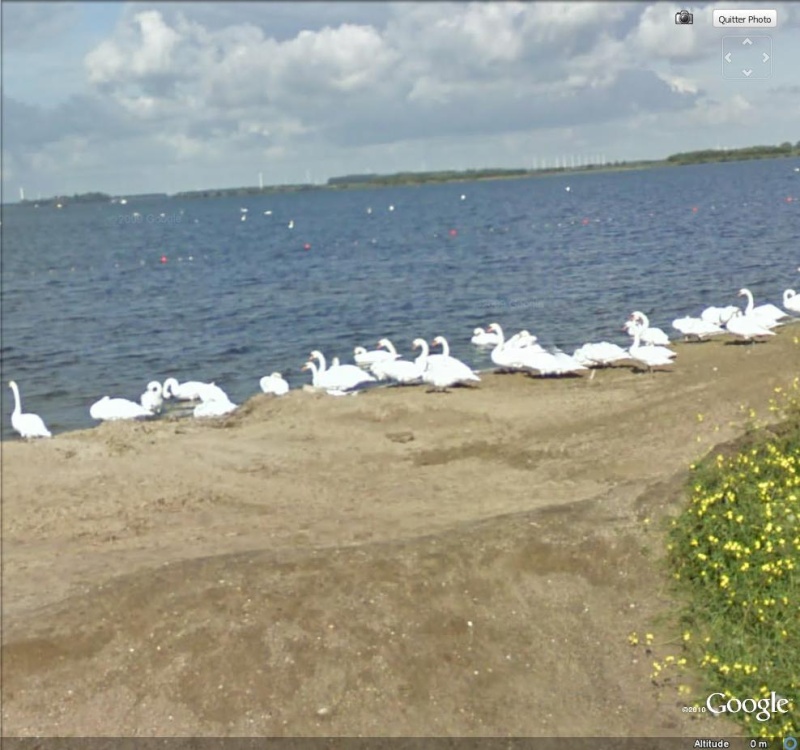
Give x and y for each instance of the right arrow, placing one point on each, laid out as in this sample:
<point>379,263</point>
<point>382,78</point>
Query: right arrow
<point>747,41</point>
<point>728,57</point>
<point>747,73</point>
<point>766,56</point>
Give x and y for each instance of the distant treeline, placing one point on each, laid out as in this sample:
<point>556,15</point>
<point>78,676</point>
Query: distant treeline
<point>736,154</point>
<point>451,175</point>
<point>94,197</point>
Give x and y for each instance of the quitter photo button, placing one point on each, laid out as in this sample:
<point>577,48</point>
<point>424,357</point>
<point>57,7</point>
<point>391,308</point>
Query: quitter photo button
<point>744,18</point>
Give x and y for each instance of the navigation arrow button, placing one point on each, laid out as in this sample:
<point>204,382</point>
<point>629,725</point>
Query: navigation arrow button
<point>747,41</point>
<point>728,57</point>
<point>747,72</point>
<point>765,56</point>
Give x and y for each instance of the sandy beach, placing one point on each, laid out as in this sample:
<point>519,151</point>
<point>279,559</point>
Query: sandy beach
<point>398,563</point>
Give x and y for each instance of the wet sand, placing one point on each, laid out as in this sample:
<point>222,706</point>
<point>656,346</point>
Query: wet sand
<point>397,563</point>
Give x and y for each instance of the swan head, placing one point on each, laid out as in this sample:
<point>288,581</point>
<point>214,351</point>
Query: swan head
<point>383,344</point>
<point>276,375</point>
<point>494,327</point>
<point>438,341</point>
<point>744,292</point>
<point>418,343</point>
<point>359,350</point>
<point>316,354</point>
<point>154,386</point>
<point>477,331</point>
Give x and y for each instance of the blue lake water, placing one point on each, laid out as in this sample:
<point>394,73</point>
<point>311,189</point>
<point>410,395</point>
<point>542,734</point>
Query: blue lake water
<point>89,309</point>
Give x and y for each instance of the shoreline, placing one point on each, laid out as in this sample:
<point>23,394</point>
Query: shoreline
<point>309,565</point>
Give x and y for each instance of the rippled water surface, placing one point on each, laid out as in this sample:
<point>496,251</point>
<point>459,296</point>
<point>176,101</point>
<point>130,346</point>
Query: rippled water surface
<point>90,309</point>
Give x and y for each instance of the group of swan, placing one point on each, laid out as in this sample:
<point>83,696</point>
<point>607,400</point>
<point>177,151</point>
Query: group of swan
<point>440,371</point>
<point>214,402</point>
<point>748,324</point>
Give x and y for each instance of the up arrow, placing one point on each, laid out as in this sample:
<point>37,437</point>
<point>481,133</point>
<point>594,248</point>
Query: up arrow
<point>747,41</point>
<point>747,73</point>
<point>728,57</point>
<point>766,56</point>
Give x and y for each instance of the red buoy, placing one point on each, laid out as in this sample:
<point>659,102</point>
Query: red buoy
<point>307,246</point>
<point>453,232</point>
<point>163,258</point>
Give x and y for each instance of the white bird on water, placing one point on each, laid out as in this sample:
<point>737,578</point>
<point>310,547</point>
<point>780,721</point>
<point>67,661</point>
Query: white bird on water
<point>27,425</point>
<point>274,384</point>
<point>480,337</point>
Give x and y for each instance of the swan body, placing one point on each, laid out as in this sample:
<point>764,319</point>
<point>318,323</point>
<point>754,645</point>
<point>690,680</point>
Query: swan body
<point>191,390</point>
<point>213,408</point>
<point>719,316</point>
<point>650,356</point>
<point>768,315</point>
<point>109,409</point>
<point>648,335</point>
<point>747,327</point>
<point>274,384</point>
<point>508,355</point>
<point>364,358</point>
<point>697,327</point>
<point>791,300</point>
<point>601,354</point>
<point>152,399</point>
<point>27,425</point>
<point>635,326</point>
<point>441,373</point>
<point>480,337</point>
<point>555,363</point>
<point>339,377</point>
<point>450,365</point>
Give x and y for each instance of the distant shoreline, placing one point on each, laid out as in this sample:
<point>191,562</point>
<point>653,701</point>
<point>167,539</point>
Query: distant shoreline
<point>397,179</point>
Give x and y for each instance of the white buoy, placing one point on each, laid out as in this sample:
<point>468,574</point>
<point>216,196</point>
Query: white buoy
<point>567,188</point>
<point>291,224</point>
<point>463,197</point>
<point>391,208</point>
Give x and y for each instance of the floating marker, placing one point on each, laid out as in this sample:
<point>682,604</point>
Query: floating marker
<point>463,197</point>
<point>567,188</point>
<point>694,209</point>
<point>163,258</point>
<point>453,232</point>
<point>307,246</point>
<point>585,222</point>
<point>789,199</point>
<point>391,208</point>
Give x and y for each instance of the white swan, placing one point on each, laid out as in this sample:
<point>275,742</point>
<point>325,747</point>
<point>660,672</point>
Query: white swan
<point>399,370</point>
<point>747,327</point>
<point>27,425</point>
<point>768,315</point>
<point>443,371</point>
<point>719,316</point>
<point>600,354</point>
<point>648,335</point>
<point>151,399</point>
<point>364,358</point>
<point>480,337</point>
<point>192,390</point>
<point>547,363</point>
<point>340,377</point>
<point>791,300</point>
<point>109,409</point>
<point>634,328</point>
<point>507,354</point>
<point>274,384</point>
<point>651,356</point>
<point>697,328</point>
<point>213,408</point>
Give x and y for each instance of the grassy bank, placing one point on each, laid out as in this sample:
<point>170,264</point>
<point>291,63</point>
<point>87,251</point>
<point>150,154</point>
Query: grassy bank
<point>734,553</point>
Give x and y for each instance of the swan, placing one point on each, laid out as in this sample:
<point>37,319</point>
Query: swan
<point>791,300</point>
<point>697,327</point>
<point>747,327</point>
<point>444,358</point>
<point>601,354</point>
<point>27,425</point>
<point>480,337</point>
<point>719,316</point>
<point>109,409</point>
<point>505,355</point>
<point>364,358</point>
<point>442,373</point>
<point>274,384</point>
<point>400,370</point>
<point>634,328</point>
<point>768,315</point>
<point>151,399</point>
<point>648,335</point>
<point>547,363</point>
<point>213,408</point>
<point>651,356</point>
<point>192,390</point>
<point>340,377</point>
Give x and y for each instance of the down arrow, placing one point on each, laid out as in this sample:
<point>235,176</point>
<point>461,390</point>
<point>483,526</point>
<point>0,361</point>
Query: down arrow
<point>747,73</point>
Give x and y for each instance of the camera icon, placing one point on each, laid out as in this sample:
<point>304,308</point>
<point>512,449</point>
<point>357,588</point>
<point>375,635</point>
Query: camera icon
<point>683,18</point>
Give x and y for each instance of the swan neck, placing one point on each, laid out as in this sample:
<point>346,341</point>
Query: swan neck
<point>17,406</point>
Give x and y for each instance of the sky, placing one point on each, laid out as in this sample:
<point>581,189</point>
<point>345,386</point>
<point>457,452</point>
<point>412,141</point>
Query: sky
<point>140,97</point>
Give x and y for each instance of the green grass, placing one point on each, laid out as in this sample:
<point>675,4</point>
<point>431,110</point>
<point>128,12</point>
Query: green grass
<point>735,553</point>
